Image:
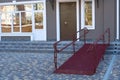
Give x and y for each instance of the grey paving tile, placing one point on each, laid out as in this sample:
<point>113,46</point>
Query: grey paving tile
<point>115,73</point>
<point>35,66</point>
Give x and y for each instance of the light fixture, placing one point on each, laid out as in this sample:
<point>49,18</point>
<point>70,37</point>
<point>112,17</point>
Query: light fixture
<point>14,1</point>
<point>52,3</point>
<point>97,3</point>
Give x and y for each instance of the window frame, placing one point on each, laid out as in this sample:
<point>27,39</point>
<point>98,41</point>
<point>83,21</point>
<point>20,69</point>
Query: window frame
<point>83,15</point>
<point>20,20</point>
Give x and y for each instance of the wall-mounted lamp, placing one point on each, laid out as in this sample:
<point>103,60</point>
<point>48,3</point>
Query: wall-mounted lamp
<point>97,3</point>
<point>52,3</point>
<point>14,1</point>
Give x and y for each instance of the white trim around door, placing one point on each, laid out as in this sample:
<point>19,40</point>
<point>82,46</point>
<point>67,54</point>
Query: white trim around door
<point>58,16</point>
<point>117,17</point>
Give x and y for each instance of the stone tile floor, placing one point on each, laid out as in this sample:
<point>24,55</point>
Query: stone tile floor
<point>115,73</point>
<point>39,66</point>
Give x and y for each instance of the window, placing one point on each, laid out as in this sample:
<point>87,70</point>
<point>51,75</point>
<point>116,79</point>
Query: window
<point>20,18</point>
<point>26,21</point>
<point>88,14</point>
<point>6,22</point>
<point>24,7</point>
<point>39,6</point>
<point>38,15</point>
<point>16,22</point>
<point>38,20</point>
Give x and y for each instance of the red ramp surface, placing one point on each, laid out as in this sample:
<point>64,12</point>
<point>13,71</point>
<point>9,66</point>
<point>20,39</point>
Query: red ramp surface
<point>84,61</point>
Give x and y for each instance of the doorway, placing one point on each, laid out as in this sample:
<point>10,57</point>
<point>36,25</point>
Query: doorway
<point>67,20</point>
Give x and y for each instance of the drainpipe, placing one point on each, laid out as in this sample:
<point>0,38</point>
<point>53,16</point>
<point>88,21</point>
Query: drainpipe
<point>117,17</point>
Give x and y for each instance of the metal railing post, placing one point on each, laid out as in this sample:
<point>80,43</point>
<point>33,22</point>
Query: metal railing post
<point>73,46</point>
<point>55,60</point>
<point>84,35</point>
<point>103,39</point>
<point>55,55</point>
<point>109,35</point>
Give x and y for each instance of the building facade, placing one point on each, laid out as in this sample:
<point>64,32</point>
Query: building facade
<point>46,20</point>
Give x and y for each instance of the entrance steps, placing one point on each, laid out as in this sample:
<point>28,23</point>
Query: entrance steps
<point>39,46</point>
<point>26,46</point>
<point>31,46</point>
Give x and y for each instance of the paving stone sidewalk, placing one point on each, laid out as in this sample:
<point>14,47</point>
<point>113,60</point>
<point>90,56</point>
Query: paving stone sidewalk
<point>40,66</point>
<point>115,73</point>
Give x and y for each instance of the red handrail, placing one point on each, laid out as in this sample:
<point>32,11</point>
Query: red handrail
<point>85,30</point>
<point>95,44</point>
<point>101,37</point>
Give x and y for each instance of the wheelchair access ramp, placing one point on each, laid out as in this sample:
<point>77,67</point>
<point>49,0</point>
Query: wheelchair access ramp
<point>83,61</point>
<point>86,59</point>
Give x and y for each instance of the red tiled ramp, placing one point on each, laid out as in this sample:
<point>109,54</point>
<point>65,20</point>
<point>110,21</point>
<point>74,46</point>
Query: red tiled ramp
<point>84,61</point>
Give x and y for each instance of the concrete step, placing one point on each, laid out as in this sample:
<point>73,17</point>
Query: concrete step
<point>41,46</point>
<point>27,46</point>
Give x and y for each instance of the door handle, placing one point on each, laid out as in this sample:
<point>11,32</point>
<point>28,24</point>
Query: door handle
<point>65,22</point>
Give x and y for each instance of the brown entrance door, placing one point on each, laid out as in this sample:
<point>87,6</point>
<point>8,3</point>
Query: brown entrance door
<point>67,20</point>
